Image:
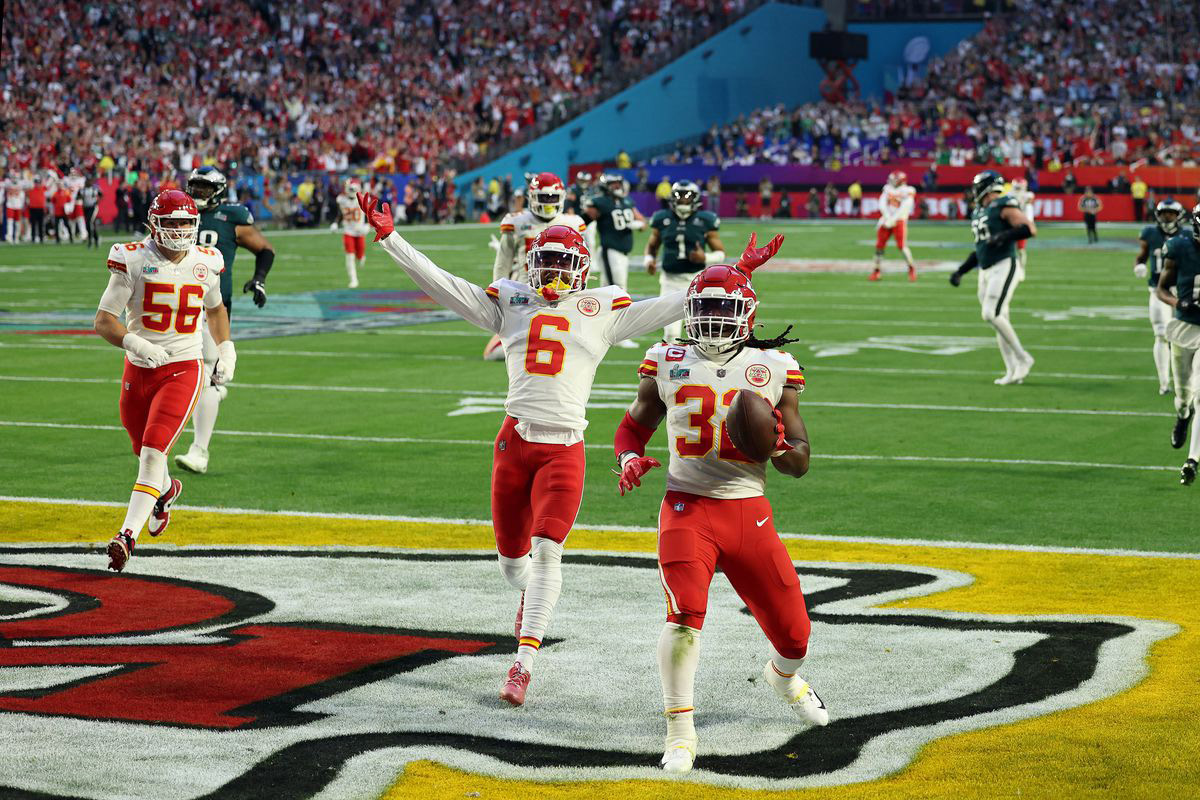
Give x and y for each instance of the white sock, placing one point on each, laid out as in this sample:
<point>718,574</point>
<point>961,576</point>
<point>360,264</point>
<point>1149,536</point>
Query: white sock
<point>350,268</point>
<point>908,259</point>
<point>359,263</point>
<point>878,261</point>
<point>165,482</point>
<point>204,418</point>
<point>1162,360</point>
<point>786,667</point>
<point>678,655</point>
<point>541,595</point>
<point>1004,328</point>
<point>1194,446</point>
<point>151,467</point>
<point>1010,358</point>
<point>515,570</point>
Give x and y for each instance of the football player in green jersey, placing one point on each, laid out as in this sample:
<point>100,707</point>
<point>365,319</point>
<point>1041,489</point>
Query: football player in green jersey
<point>1181,272</point>
<point>998,223</point>
<point>683,231</point>
<point>1153,241</point>
<point>615,218</point>
<point>225,227</point>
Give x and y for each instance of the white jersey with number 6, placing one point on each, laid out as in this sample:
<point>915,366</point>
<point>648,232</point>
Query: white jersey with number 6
<point>697,393</point>
<point>163,301</point>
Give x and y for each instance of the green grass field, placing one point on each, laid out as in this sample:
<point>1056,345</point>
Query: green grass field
<point>910,437</point>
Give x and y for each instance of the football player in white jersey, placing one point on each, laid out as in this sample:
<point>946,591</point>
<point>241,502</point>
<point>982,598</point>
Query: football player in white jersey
<point>78,220</point>
<point>1020,192</point>
<point>164,285</point>
<point>354,229</point>
<point>15,213</point>
<point>545,199</point>
<point>555,332</point>
<point>895,205</point>
<point>714,513</point>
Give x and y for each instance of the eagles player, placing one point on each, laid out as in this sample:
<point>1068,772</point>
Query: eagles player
<point>615,218</point>
<point>683,231</point>
<point>579,194</point>
<point>1181,272</point>
<point>224,227</point>
<point>998,223</point>
<point>1153,241</point>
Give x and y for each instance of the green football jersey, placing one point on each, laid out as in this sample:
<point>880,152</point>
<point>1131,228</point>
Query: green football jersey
<point>218,228</point>
<point>577,198</point>
<point>1155,241</point>
<point>682,236</point>
<point>616,217</point>
<point>1184,250</point>
<point>986,223</point>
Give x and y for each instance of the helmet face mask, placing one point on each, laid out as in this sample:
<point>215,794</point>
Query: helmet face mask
<point>558,263</point>
<point>685,198</point>
<point>352,186</point>
<point>985,183</point>
<point>174,221</point>
<point>545,196</point>
<point>206,185</point>
<point>614,185</point>
<point>1169,215</point>
<point>719,311</point>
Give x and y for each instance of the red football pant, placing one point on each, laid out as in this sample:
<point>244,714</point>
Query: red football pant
<point>883,234</point>
<point>697,534</point>
<point>355,245</point>
<point>536,490</point>
<point>156,403</point>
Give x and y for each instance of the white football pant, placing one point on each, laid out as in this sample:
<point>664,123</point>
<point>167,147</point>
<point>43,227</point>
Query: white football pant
<point>1160,315</point>
<point>996,286</point>
<point>1185,360</point>
<point>674,282</point>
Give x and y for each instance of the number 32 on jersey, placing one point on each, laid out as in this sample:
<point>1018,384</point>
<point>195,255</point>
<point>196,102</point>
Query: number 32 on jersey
<point>701,422</point>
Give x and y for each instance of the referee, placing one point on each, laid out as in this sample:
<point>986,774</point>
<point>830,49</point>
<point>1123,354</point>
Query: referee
<point>1090,205</point>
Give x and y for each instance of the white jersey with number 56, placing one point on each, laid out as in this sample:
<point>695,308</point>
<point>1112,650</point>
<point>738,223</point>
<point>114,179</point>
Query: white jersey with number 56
<point>163,301</point>
<point>697,393</point>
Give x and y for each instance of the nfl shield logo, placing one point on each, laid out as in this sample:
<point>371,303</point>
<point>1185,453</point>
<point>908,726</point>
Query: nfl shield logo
<point>720,373</point>
<point>679,506</point>
<point>502,446</point>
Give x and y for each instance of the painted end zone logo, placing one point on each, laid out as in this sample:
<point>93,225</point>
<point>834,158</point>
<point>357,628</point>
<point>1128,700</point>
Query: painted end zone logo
<point>290,669</point>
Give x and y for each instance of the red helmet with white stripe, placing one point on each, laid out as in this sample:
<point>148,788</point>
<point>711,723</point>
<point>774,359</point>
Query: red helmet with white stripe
<point>897,178</point>
<point>546,195</point>
<point>174,220</point>
<point>719,310</point>
<point>558,262</point>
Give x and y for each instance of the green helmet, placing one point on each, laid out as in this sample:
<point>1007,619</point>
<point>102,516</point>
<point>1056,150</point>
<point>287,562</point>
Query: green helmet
<point>985,183</point>
<point>206,185</point>
<point>685,198</point>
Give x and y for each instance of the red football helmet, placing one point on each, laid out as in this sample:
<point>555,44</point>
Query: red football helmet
<point>546,195</point>
<point>897,178</point>
<point>558,262</point>
<point>719,310</point>
<point>179,207</point>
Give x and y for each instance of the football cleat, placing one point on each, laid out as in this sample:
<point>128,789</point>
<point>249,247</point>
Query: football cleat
<point>799,696</point>
<point>1179,432</point>
<point>679,756</point>
<point>520,616</point>
<point>160,517</point>
<point>1022,371</point>
<point>353,284</point>
<point>912,274</point>
<point>120,549</point>
<point>1187,475</point>
<point>513,691</point>
<point>875,275</point>
<point>1004,380</point>
<point>194,460</point>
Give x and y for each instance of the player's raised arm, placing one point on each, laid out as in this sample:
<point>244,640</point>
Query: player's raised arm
<point>506,254</point>
<point>460,296</point>
<point>634,433</point>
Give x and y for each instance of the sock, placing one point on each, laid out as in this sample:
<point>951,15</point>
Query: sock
<point>878,261</point>
<point>678,655</point>
<point>151,467</point>
<point>1004,328</point>
<point>359,263</point>
<point>1194,446</point>
<point>541,594</point>
<point>204,418</point>
<point>908,259</point>
<point>515,570</point>
<point>350,268</point>
<point>1010,359</point>
<point>1162,360</point>
<point>785,667</point>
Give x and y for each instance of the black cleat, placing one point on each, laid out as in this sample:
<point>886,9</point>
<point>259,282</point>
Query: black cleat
<point>1179,432</point>
<point>1187,475</point>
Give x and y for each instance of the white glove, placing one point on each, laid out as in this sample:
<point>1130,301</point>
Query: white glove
<point>637,224</point>
<point>226,361</point>
<point>1140,270</point>
<point>154,355</point>
<point>650,266</point>
<point>333,226</point>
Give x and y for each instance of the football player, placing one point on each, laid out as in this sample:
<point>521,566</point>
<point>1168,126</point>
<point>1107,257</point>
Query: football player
<point>555,332</point>
<point>1181,272</point>
<point>165,285</point>
<point>896,203</point>
<point>546,199</point>
<point>578,195</point>
<point>223,227</point>
<point>615,218</point>
<point>75,183</point>
<point>1024,197</point>
<point>14,208</point>
<point>1153,240</point>
<point>714,513</point>
<point>683,231</point>
<point>354,229</point>
<point>997,223</point>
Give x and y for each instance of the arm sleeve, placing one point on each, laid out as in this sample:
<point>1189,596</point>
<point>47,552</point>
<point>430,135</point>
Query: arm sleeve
<point>906,207</point>
<point>645,316</point>
<point>462,297</point>
<point>503,266</point>
<point>116,294</point>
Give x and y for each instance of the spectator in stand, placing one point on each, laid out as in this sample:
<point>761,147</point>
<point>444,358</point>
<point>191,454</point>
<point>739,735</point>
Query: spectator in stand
<point>663,192</point>
<point>765,191</point>
<point>37,209</point>
<point>139,201</point>
<point>1068,183</point>
<point>814,203</point>
<point>623,160</point>
<point>1091,207</point>
<point>785,206</point>
<point>1137,190</point>
<point>831,199</point>
<point>856,193</point>
<point>712,193</point>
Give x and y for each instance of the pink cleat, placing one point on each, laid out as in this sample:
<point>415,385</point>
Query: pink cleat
<point>160,517</point>
<point>515,687</point>
<point>121,548</point>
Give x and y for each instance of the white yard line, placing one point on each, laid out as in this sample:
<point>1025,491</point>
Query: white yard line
<point>633,528</point>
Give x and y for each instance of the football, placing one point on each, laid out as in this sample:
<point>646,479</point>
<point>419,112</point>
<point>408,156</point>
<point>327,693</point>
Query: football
<point>751,425</point>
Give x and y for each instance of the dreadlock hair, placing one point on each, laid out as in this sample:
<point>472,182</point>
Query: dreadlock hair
<point>771,344</point>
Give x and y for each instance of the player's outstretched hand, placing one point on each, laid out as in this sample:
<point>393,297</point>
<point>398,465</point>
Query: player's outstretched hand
<point>1139,270</point>
<point>955,278</point>
<point>781,442</point>
<point>260,292</point>
<point>754,257</point>
<point>635,468</point>
<point>379,218</point>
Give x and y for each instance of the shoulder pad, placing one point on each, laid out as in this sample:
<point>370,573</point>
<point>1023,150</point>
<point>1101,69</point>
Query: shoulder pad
<point>659,218</point>
<point>212,258</point>
<point>1147,231</point>
<point>118,258</point>
<point>712,219</point>
<point>508,223</point>
<point>1007,201</point>
<point>654,356</point>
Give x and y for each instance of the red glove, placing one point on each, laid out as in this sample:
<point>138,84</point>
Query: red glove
<point>634,469</point>
<point>755,257</point>
<point>379,218</point>
<point>781,443</point>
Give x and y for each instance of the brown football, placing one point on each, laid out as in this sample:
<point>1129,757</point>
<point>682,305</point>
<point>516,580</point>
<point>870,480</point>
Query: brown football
<point>751,425</point>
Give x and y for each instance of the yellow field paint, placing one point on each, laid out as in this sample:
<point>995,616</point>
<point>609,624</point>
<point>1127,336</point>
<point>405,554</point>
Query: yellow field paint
<point>1141,743</point>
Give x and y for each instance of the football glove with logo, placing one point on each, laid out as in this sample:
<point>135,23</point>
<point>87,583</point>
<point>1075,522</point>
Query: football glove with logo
<point>754,257</point>
<point>260,292</point>
<point>154,355</point>
<point>226,361</point>
<point>378,218</point>
<point>633,470</point>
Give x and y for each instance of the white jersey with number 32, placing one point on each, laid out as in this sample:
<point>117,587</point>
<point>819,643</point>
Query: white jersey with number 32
<point>697,393</point>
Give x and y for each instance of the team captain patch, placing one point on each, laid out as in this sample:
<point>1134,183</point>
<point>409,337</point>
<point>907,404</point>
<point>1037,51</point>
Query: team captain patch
<point>588,306</point>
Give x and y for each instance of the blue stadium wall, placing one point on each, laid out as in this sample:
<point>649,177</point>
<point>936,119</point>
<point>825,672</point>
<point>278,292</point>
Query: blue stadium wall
<point>759,61</point>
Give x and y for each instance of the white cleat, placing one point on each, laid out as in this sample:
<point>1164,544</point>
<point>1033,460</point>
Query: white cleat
<point>1022,370</point>
<point>353,284</point>
<point>1005,380</point>
<point>679,756</point>
<point>194,460</point>
<point>799,696</point>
